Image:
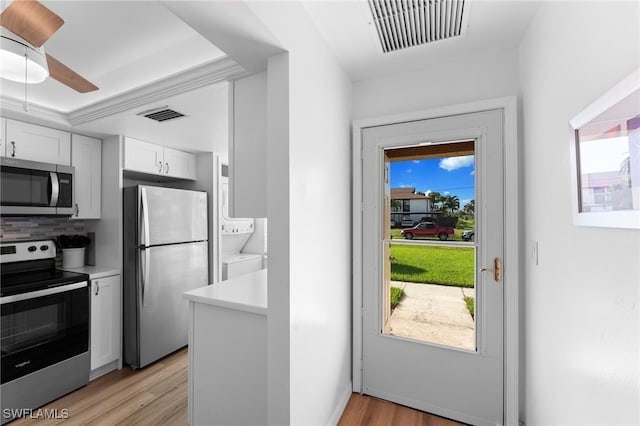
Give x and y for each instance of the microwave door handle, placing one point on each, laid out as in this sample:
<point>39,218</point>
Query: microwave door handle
<point>55,189</point>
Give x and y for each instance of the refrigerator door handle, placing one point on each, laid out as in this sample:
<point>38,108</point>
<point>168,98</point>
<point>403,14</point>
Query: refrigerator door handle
<point>144,238</point>
<point>144,213</point>
<point>144,281</point>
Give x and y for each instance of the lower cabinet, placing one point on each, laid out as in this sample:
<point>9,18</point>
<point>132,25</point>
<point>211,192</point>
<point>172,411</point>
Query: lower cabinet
<point>106,324</point>
<point>227,366</point>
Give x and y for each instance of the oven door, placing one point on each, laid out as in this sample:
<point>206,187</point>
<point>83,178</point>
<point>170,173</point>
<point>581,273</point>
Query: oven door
<point>28,187</point>
<point>42,328</point>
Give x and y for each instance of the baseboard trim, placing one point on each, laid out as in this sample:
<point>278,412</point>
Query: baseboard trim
<point>342,404</point>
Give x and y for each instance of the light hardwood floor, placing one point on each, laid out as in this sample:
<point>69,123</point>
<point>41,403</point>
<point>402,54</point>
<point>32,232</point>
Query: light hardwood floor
<point>366,410</point>
<point>157,395</point>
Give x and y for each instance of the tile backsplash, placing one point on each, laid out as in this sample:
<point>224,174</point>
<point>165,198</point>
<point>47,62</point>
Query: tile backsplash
<point>38,228</point>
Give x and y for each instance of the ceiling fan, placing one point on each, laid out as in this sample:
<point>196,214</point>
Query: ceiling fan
<point>27,25</point>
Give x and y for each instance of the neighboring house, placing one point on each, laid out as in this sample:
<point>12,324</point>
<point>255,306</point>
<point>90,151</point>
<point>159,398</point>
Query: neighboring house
<point>412,206</point>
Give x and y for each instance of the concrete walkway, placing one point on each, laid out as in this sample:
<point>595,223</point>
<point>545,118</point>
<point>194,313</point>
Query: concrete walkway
<point>434,313</point>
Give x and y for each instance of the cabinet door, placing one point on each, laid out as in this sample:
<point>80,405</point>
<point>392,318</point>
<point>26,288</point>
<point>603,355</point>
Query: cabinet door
<point>36,143</point>
<point>179,164</point>
<point>3,136</point>
<point>105,320</point>
<point>143,156</point>
<point>86,157</point>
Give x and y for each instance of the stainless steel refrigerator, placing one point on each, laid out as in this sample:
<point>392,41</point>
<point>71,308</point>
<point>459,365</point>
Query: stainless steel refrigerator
<point>165,254</point>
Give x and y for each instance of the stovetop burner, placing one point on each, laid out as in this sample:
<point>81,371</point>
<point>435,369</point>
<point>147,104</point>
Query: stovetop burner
<point>30,265</point>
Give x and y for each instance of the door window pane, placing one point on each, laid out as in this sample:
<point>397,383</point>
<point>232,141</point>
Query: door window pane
<point>429,276</point>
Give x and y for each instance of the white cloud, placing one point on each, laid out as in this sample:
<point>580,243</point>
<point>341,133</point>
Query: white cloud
<point>453,163</point>
<point>446,193</point>
<point>473,172</point>
<point>415,161</point>
<point>408,171</point>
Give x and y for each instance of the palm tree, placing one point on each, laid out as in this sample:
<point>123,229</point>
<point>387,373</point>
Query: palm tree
<point>451,203</point>
<point>436,199</point>
<point>470,208</point>
<point>395,205</point>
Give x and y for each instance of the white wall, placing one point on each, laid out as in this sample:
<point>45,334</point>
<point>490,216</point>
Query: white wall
<point>319,287</point>
<point>582,323</point>
<point>492,74</point>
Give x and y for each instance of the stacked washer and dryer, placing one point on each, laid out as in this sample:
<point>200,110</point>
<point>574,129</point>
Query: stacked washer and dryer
<point>243,240</point>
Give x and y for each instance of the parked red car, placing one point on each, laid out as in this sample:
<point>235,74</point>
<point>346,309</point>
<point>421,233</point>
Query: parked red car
<point>427,229</point>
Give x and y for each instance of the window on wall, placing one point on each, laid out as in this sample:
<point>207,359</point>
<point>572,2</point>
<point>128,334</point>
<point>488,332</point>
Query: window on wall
<point>405,206</point>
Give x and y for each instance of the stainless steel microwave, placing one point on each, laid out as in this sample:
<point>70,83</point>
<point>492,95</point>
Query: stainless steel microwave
<point>33,188</point>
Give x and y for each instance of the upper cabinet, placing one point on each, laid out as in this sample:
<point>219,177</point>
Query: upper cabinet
<point>248,148</point>
<point>86,157</point>
<point>149,158</point>
<point>36,143</point>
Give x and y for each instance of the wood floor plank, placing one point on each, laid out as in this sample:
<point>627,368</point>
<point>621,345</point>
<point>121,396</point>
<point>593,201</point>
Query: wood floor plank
<point>119,395</point>
<point>157,395</point>
<point>364,410</point>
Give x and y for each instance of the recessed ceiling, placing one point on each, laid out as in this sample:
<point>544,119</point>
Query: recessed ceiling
<point>117,45</point>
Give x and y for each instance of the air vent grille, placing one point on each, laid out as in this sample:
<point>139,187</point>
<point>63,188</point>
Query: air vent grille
<point>406,23</point>
<point>161,114</point>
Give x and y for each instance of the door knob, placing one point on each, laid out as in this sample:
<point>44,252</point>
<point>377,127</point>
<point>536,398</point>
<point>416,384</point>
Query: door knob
<point>497,269</point>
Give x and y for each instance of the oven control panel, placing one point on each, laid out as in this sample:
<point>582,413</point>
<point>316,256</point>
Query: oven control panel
<point>18,251</point>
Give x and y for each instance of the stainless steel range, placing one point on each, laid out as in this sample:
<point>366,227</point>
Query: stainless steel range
<point>45,327</point>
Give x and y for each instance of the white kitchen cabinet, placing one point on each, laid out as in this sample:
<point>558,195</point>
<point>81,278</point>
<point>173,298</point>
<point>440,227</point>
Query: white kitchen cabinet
<point>141,156</point>
<point>224,361</point>
<point>149,158</point>
<point>37,143</point>
<point>179,164</point>
<point>86,157</point>
<point>3,135</point>
<point>105,320</point>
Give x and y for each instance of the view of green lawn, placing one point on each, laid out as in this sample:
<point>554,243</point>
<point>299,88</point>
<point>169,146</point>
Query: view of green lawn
<point>433,264</point>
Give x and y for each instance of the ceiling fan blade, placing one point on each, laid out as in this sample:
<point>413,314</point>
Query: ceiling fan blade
<point>30,20</point>
<point>68,77</point>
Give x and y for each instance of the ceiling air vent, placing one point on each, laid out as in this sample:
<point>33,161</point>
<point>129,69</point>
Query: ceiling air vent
<point>161,114</point>
<point>407,23</point>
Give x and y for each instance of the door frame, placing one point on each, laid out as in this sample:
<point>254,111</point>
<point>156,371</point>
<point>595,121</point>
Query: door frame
<point>512,242</point>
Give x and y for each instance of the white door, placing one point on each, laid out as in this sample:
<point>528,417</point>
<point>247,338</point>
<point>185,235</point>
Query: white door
<point>36,143</point>
<point>179,164</point>
<point>86,157</point>
<point>105,320</point>
<point>404,359</point>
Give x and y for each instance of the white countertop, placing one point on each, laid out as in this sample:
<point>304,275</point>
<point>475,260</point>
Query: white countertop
<point>244,293</point>
<point>95,272</point>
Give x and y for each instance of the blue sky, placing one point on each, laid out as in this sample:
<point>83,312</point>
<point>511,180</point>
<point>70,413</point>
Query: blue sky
<point>451,175</point>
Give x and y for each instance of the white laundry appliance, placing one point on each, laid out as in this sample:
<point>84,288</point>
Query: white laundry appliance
<point>241,248</point>
<point>235,233</point>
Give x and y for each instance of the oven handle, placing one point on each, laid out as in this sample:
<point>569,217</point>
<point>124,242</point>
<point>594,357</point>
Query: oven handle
<point>41,293</point>
<point>55,189</point>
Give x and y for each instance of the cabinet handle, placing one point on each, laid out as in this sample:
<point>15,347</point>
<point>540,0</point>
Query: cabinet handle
<point>13,148</point>
<point>97,287</point>
<point>77,210</point>
<point>166,171</point>
<point>159,166</point>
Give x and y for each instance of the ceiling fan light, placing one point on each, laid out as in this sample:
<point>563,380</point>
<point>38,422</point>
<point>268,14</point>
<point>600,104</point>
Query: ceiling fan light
<point>12,61</point>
